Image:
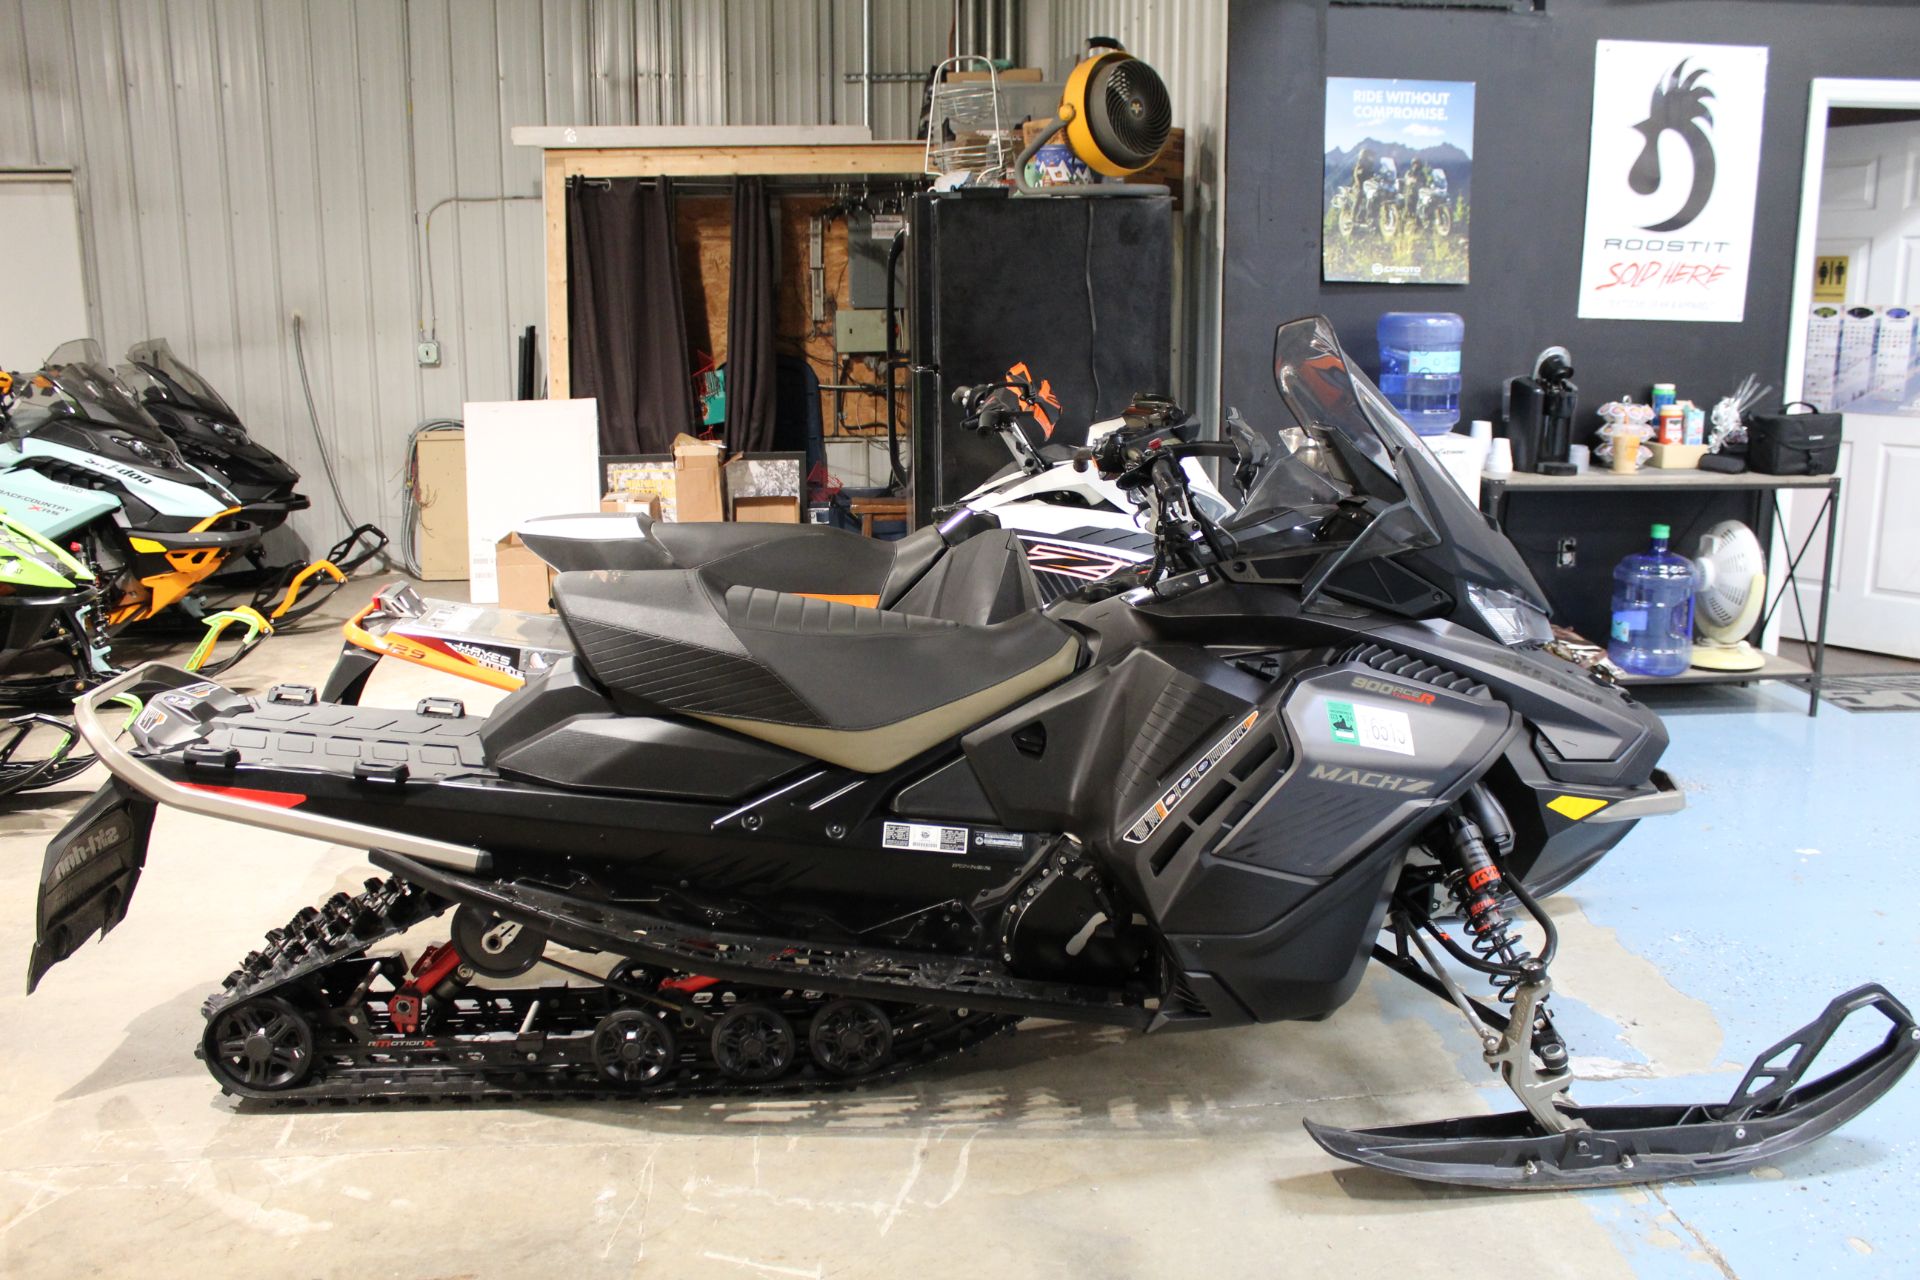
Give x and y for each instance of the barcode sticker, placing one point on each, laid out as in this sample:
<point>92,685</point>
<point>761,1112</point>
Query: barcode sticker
<point>924,837</point>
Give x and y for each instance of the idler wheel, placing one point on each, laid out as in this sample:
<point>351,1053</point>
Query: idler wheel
<point>634,1048</point>
<point>850,1037</point>
<point>753,1043</point>
<point>493,945</point>
<point>262,1044</point>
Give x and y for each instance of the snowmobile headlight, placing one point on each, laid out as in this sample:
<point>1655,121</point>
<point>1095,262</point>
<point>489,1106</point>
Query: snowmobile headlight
<point>1512,619</point>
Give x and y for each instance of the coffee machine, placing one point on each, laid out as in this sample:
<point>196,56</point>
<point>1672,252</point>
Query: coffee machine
<point>1539,413</point>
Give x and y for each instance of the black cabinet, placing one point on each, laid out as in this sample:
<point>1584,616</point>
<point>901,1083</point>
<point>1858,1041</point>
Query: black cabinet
<point>1079,289</point>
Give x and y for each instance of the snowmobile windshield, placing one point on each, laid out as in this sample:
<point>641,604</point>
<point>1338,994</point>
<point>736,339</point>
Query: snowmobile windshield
<point>1347,445</point>
<point>77,382</point>
<point>1341,444</point>
<point>168,377</point>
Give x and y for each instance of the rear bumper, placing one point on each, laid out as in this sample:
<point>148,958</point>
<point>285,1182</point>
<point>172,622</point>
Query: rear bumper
<point>159,690</point>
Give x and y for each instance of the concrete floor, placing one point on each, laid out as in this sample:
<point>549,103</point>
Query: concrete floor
<point>1062,1151</point>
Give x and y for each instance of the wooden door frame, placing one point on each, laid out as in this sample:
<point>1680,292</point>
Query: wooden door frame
<point>1823,94</point>
<point>850,160</point>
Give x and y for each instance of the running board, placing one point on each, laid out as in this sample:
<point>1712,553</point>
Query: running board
<point>849,969</point>
<point>1769,1115</point>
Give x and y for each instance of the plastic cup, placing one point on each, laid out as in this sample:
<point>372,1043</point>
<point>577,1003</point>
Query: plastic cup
<point>1500,458</point>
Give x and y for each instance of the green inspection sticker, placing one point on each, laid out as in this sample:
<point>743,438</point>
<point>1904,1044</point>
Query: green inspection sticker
<point>1341,720</point>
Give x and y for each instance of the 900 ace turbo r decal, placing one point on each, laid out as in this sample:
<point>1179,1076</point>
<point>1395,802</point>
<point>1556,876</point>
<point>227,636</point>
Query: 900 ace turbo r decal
<point>1150,821</point>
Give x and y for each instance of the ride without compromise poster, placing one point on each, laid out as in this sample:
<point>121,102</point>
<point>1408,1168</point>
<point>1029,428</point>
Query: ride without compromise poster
<point>1399,168</point>
<point>1671,180</point>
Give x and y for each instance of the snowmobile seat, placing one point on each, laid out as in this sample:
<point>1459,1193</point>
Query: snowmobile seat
<point>805,558</point>
<point>859,687</point>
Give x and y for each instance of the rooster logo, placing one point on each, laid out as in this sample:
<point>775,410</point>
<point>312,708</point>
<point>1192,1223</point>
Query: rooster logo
<point>1680,105</point>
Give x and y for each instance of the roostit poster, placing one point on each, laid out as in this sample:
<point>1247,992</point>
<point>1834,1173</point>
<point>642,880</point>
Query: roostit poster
<point>1398,180</point>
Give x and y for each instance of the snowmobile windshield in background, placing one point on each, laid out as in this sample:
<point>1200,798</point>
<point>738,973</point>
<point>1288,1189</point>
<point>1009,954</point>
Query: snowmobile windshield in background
<point>77,382</point>
<point>168,377</point>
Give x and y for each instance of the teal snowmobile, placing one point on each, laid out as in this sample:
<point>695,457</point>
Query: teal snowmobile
<point>86,468</point>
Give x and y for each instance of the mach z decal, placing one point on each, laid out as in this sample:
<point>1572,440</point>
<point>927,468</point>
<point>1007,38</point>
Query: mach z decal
<point>1371,778</point>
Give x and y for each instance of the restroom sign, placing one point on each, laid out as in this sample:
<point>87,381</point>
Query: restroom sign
<point>1672,172</point>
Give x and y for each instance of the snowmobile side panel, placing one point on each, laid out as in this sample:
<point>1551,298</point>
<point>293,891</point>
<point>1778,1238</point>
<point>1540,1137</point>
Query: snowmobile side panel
<point>92,868</point>
<point>642,755</point>
<point>48,507</point>
<point>171,497</point>
<point>1770,1114</point>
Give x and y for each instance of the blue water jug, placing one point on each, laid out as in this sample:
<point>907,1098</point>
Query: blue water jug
<point>1420,367</point>
<point>1653,610</point>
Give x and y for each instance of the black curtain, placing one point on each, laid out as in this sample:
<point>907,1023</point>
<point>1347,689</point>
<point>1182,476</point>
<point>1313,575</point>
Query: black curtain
<point>752,377</point>
<point>628,340</point>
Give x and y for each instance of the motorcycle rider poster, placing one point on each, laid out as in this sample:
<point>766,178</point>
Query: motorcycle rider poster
<point>1396,194</point>
<point>1671,180</point>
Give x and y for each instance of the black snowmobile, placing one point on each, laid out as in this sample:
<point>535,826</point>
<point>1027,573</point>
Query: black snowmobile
<point>209,434</point>
<point>207,431</point>
<point>813,843</point>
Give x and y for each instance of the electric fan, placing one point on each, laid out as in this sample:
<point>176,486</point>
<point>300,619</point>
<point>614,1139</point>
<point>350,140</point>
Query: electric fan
<point>1730,587</point>
<point>1117,116</point>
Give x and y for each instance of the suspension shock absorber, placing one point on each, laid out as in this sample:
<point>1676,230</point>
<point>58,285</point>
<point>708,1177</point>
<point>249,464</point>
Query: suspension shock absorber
<point>1478,887</point>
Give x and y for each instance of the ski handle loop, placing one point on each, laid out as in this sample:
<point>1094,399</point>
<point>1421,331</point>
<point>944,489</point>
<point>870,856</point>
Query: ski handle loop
<point>300,580</point>
<point>1766,1084</point>
<point>258,629</point>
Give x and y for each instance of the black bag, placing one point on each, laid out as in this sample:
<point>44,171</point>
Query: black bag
<point>1793,444</point>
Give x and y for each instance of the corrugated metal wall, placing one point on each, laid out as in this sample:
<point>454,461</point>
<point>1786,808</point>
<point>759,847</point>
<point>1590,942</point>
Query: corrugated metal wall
<point>241,161</point>
<point>1186,42</point>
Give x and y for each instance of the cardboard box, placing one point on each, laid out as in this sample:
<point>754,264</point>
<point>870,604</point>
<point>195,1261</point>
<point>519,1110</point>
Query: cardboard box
<point>1012,75</point>
<point>697,491</point>
<point>647,505</point>
<point>767,510</point>
<point>1676,457</point>
<point>526,581</point>
<point>766,488</point>
<point>440,469</point>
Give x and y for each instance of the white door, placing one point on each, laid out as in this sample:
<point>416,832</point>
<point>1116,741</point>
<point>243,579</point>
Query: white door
<point>1870,212</point>
<point>46,296</point>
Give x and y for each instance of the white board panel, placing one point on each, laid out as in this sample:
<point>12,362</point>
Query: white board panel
<point>525,458</point>
<point>46,293</point>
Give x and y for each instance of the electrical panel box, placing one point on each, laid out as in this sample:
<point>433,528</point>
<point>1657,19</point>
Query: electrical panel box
<point>856,331</point>
<point>869,239</point>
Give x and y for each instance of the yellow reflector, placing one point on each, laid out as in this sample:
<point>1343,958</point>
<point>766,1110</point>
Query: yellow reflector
<point>1575,807</point>
<point>147,545</point>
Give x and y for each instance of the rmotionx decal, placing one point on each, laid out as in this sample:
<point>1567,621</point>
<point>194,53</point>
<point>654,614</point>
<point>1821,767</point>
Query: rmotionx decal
<point>1147,823</point>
